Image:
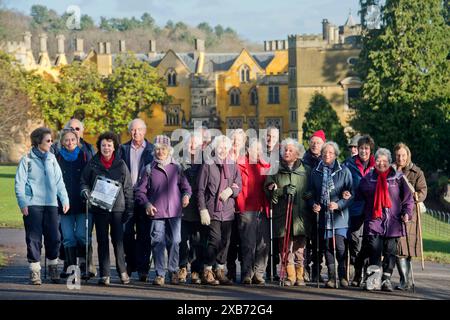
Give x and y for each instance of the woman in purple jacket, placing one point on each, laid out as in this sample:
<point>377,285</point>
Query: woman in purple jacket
<point>219,184</point>
<point>163,191</point>
<point>388,205</point>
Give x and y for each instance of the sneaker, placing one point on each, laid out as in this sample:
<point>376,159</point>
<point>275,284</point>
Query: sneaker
<point>35,278</point>
<point>143,277</point>
<point>257,279</point>
<point>330,284</point>
<point>104,281</point>
<point>195,278</point>
<point>223,280</point>
<point>344,283</point>
<point>247,280</point>
<point>158,281</point>
<point>182,274</point>
<point>53,273</point>
<point>208,278</point>
<point>174,279</point>
<point>124,278</point>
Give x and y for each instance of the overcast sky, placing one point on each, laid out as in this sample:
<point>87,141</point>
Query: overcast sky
<point>254,20</point>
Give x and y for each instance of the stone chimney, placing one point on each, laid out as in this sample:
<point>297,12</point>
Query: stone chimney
<point>101,48</point>
<point>266,46</point>
<point>61,56</point>
<point>122,47</point>
<point>199,55</point>
<point>151,48</point>
<point>44,60</point>
<point>325,29</point>
<point>27,40</point>
<point>30,62</point>
<point>107,47</point>
<point>79,49</point>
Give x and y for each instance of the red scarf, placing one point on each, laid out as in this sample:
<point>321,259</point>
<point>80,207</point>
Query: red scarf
<point>107,163</point>
<point>360,165</point>
<point>382,199</point>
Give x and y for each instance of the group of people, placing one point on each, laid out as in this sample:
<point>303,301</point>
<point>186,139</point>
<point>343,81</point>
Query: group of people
<point>207,215</point>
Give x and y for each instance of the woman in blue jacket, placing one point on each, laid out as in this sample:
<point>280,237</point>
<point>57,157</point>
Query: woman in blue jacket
<point>329,180</point>
<point>38,184</point>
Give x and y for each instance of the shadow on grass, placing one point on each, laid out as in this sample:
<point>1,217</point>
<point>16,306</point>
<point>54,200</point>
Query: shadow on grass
<point>7,175</point>
<point>436,245</point>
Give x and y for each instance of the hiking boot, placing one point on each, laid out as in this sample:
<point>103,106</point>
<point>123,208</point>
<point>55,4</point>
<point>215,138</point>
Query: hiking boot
<point>247,280</point>
<point>386,284</point>
<point>35,278</point>
<point>158,281</point>
<point>257,279</point>
<point>299,272</point>
<point>53,273</point>
<point>231,275</point>
<point>182,274</point>
<point>143,277</point>
<point>208,278</point>
<point>174,279</point>
<point>223,279</point>
<point>357,279</point>
<point>344,283</point>
<point>104,281</point>
<point>124,278</point>
<point>331,283</point>
<point>195,278</point>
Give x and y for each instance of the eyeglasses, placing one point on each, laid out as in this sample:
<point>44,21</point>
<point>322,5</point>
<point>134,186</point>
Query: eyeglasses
<point>49,140</point>
<point>76,128</point>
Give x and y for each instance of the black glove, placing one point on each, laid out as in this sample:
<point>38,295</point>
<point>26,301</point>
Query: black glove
<point>290,190</point>
<point>85,194</point>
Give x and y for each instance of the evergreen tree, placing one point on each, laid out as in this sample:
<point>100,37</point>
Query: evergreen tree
<point>406,86</point>
<point>321,115</point>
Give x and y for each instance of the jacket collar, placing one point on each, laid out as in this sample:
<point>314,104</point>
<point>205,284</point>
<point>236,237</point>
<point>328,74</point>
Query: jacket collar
<point>336,168</point>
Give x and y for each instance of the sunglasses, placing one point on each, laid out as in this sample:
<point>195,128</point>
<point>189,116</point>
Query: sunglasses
<point>48,140</point>
<point>76,128</point>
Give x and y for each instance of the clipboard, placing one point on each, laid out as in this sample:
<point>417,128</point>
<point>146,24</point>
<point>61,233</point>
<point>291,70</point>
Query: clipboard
<point>104,193</point>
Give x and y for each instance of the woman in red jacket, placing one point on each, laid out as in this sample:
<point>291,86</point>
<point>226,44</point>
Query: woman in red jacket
<point>253,222</point>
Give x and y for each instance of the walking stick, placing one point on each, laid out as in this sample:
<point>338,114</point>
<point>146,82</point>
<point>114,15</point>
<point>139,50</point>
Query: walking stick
<point>45,265</point>
<point>409,258</point>
<point>286,240</point>
<point>416,199</point>
<point>334,251</point>
<point>271,242</point>
<point>87,240</point>
<point>317,250</point>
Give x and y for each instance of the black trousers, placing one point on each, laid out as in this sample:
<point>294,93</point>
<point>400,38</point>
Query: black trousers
<point>219,233</point>
<point>136,241</point>
<point>355,237</point>
<point>194,237</point>
<point>42,221</point>
<point>340,255</point>
<point>313,245</point>
<point>234,250</point>
<point>379,246</point>
<point>103,224</point>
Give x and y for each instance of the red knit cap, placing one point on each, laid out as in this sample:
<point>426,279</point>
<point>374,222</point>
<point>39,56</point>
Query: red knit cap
<point>320,134</point>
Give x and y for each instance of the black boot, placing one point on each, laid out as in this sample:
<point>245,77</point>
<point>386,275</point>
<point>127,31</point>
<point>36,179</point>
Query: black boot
<point>314,273</point>
<point>71,260</point>
<point>403,267</point>
<point>357,278</point>
<point>331,283</point>
<point>386,284</point>
<point>92,268</point>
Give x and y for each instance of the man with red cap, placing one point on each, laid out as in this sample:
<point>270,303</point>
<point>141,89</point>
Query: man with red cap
<point>312,159</point>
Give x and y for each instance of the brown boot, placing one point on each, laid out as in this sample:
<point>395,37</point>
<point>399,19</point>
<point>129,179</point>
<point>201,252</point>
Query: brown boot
<point>291,276</point>
<point>208,278</point>
<point>299,270</point>
<point>223,280</point>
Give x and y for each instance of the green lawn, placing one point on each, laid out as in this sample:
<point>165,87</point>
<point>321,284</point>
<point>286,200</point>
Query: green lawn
<point>10,215</point>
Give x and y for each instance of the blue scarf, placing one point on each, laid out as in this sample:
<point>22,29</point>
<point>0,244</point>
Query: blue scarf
<point>41,155</point>
<point>69,156</point>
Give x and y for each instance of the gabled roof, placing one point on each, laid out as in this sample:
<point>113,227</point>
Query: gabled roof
<point>350,21</point>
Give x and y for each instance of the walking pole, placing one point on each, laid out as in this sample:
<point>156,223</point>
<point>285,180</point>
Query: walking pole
<point>317,250</point>
<point>271,242</point>
<point>348,263</point>
<point>285,249</point>
<point>87,240</point>
<point>419,222</point>
<point>45,265</point>
<point>409,259</point>
<point>334,251</point>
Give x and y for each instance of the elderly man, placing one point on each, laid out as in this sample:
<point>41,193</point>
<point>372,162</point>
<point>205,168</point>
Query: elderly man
<point>137,153</point>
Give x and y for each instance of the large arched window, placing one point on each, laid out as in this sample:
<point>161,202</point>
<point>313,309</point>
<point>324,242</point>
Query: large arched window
<point>235,97</point>
<point>253,97</point>
<point>244,73</point>
<point>171,78</point>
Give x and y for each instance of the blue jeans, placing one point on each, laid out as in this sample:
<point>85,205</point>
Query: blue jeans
<point>73,227</point>
<point>166,233</point>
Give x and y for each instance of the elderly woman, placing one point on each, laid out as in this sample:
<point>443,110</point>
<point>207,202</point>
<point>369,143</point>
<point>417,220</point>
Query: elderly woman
<point>253,213</point>
<point>164,191</point>
<point>72,160</point>
<point>219,184</point>
<point>328,182</point>
<point>38,185</point>
<point>388,203</point>
<point>417,185</point>
<point>291,181</point>
<point>108,164</point>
